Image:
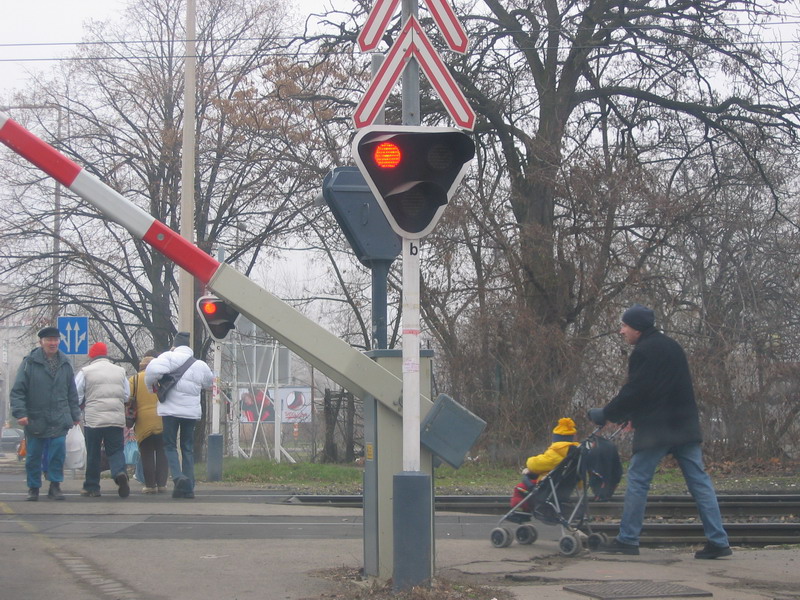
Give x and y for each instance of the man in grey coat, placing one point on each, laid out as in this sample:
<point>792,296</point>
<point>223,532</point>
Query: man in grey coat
<point>45,402</point>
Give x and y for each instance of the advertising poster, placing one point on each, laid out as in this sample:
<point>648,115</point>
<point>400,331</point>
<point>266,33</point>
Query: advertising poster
<point>295,401</point>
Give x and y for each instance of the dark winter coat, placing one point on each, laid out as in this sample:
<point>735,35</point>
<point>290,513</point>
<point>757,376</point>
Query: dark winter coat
<point>658,398</point>
<point>50,403</point>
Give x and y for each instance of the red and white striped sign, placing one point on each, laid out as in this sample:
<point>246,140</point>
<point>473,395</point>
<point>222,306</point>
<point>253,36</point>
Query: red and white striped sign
<point>376,24</point>
<point>448,23</point>
<point>412,42</point>
<point>443,14</point>
<point>113,205</point>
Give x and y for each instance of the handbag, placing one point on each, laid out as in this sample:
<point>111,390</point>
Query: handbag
<point>168,380</point>
<point>130,407</point>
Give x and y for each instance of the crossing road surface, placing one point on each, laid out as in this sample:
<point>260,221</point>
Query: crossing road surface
<point>225,544</point>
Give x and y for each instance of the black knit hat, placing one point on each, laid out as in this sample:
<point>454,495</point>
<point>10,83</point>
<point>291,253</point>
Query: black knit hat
<point>181,339</point>
<point>639,317</point>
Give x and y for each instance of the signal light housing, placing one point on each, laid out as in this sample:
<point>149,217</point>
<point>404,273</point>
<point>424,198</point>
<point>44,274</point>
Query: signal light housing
<point>413,172</point>
<point>218,316</point>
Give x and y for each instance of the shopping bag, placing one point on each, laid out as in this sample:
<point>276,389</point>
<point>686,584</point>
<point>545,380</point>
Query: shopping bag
<point>131,452</point>
<point>75,449</point>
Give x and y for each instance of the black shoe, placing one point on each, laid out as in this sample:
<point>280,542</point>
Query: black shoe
<point>54,493</point>
<point>90,493</point>
<point>182,487</point>
<point>122,481</point>
<point>33,494</point>
<point>617,547</point>
<point>713,551</point>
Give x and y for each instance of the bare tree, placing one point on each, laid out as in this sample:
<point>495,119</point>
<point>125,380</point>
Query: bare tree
<point>605,129</point>
<point>122,101</point>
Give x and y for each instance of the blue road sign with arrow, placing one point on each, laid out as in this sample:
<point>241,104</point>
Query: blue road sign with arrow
<point>74,335</point>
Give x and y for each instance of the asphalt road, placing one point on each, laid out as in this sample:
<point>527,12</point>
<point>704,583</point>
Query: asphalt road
<point>227,543</point>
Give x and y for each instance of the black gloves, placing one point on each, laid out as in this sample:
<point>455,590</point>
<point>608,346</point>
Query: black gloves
<point>596,416</point>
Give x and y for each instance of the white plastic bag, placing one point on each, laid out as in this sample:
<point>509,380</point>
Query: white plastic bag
<point>76,449</point>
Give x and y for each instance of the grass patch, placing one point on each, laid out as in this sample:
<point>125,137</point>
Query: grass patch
<point>484,478</point>
<point>476,478</point>
<point>301,476</point>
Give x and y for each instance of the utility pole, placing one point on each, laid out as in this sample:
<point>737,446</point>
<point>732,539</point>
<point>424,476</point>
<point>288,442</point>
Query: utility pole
<point>185,279</point>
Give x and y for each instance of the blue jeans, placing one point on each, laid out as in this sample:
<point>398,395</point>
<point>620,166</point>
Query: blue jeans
<point>182,466</point>
<point>56,452</point>
<point>640,474</point>
<point>113,439</point>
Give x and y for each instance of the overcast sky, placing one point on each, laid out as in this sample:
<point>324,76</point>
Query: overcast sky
<point>37,30</point>
<point>34,29</point>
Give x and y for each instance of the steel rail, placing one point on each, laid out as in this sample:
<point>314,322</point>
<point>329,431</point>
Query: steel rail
<point>666,506</point>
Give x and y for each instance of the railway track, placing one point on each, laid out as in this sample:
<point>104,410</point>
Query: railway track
<point>667,507</point>
<point>669,519</point>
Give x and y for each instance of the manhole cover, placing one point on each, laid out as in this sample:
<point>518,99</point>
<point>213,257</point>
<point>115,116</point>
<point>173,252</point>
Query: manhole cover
<point>636,589</point>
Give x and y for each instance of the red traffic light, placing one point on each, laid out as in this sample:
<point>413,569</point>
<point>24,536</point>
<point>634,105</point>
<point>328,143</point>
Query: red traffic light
<point>209,308</point>
<point>218,316</point>
<point>412,171</point>
<point>387,155</point>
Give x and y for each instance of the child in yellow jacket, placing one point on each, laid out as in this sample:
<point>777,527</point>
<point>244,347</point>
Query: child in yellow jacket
<point>540,465</point>
<point>563,440</point>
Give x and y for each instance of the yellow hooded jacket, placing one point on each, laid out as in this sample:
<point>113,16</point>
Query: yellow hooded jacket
<point>146,402</point>
<point>542,464</point>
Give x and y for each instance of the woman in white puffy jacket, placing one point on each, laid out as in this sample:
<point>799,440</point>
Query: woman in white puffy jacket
<point>180,410</point>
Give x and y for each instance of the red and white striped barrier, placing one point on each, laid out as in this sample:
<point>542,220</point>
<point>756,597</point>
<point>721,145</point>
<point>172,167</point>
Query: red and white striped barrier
<point>109,202</point>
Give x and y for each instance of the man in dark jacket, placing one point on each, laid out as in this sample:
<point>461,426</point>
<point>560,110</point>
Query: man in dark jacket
<point>658,400</point>
<point>45,402</point>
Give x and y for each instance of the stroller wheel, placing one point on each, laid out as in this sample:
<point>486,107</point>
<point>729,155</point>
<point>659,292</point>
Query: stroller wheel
<point>569,545</point>
<point>526,534</point>
<point>596,540</point>
<point>501,537</point>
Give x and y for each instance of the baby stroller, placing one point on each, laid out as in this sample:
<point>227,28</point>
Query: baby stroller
<point>561,498</point>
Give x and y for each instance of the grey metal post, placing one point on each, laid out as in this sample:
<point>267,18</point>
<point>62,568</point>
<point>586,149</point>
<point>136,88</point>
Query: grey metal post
<point>410,81</point>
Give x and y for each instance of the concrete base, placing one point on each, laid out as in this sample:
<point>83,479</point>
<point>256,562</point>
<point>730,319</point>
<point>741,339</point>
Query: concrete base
<point>214,462</point>
<point>413,527</point>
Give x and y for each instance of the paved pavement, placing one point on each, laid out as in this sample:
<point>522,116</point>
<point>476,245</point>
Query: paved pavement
<point>151,548</point>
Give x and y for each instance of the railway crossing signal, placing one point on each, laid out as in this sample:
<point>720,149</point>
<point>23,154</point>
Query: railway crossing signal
<point>413,172</point>
<point>219,316</point>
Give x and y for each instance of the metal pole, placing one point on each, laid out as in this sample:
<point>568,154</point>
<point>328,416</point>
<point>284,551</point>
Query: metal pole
<point>411,409</point>
<point>410,82</point>
<point>276,402</point>
<point>215,391</point>
<point>412,509</point>
<point>56,234</point>
<point>185,279</point>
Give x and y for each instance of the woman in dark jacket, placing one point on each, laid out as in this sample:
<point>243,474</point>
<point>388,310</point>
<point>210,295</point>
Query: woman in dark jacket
<point>658,400</point>
<point>45,401</point>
